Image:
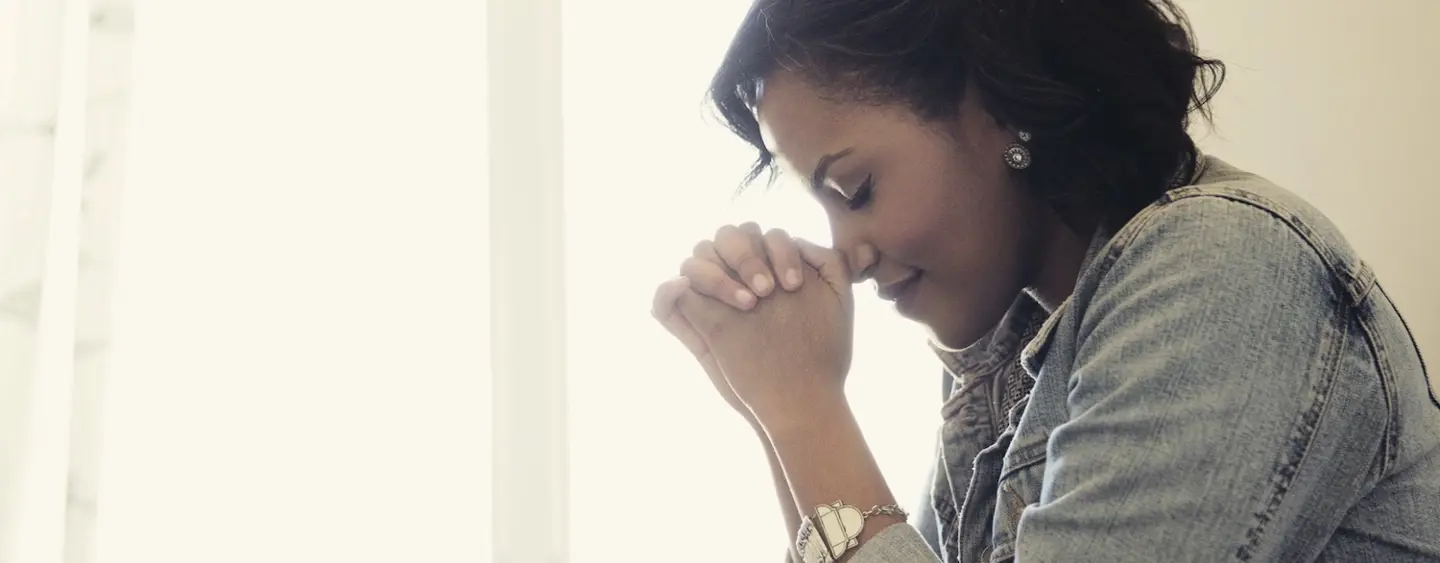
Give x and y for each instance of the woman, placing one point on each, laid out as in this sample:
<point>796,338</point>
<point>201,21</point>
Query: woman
<point>1154,356</point>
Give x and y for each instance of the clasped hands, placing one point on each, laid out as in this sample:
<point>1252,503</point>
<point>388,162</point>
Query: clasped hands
<point>770,319</point>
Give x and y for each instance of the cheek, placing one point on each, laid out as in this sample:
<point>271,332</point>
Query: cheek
<point>962,233</point>
<point>935,211</point>
<point>928,221</point>
<point>913,230</point>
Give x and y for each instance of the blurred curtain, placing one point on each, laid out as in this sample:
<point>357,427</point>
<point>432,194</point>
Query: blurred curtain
<point>64,84</point>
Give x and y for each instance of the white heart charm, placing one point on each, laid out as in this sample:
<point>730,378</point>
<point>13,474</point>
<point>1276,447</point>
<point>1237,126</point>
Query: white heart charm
<point>841,524</point>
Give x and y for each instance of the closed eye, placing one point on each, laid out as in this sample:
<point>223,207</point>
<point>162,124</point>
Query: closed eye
<point>862,194</point>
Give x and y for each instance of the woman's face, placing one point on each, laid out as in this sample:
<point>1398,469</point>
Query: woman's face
<point>929,211</point>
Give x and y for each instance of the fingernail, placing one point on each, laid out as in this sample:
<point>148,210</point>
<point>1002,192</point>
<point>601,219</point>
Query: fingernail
<point>744,297</point>
<point>792,277</point>
<point>762,283</point>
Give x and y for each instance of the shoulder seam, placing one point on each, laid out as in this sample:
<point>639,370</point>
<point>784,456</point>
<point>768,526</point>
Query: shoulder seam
<point>1355,283</point>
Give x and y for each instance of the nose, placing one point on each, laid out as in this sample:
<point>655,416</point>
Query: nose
<point>862,257</point>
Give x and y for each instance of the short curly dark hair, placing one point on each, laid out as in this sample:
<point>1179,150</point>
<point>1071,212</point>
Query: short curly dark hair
<point>1105,87</point>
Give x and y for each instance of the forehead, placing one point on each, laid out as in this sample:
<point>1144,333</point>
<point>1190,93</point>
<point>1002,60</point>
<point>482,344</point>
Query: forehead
<point>798,124</point>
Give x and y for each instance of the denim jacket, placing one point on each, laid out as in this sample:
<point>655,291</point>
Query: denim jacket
<point>1227,382</point>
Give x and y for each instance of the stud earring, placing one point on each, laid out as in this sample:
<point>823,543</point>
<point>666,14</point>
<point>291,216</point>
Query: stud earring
<point>1017,157</point>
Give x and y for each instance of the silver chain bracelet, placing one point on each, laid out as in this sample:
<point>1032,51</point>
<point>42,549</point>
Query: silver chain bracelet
<point>886,510</point>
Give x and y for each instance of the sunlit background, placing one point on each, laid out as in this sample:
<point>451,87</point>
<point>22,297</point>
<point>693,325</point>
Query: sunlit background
<point>301,367</point>
<point>301,363</point>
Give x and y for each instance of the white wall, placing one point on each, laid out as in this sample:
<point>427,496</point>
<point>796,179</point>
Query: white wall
<point>1336,100</point>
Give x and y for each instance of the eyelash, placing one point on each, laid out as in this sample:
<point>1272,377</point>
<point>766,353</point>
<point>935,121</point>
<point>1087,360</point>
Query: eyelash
<point>862,194</point>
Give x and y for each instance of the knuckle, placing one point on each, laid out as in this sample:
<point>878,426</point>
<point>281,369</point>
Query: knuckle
<point>751,264</point>
<point>744,237</point>
<point>693,268</point>
<point>726,231</point>
<point>741,241</point>
<point>781,247</point>
<point>732,251</point>
<point>703,248</point>
<point>703,276</point>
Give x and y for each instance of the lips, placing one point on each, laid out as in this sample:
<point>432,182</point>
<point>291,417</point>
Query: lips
<point>900,292</point>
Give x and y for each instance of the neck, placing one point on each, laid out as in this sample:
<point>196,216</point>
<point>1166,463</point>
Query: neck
<point>1062,252</point>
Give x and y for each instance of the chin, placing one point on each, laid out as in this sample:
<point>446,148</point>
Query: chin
<point>958,320</point>
<point>955,338</point>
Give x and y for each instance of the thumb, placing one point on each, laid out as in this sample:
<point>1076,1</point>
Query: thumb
<point>665,308</point>
<point>833,267</point>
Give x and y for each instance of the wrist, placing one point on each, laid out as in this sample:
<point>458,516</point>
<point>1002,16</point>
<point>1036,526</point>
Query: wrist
<point>823,414</point>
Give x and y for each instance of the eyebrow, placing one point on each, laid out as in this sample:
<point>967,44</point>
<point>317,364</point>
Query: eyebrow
<point>817,178</point>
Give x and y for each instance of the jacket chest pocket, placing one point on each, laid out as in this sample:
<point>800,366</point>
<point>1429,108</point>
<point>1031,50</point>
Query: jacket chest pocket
<point>1019,487</point>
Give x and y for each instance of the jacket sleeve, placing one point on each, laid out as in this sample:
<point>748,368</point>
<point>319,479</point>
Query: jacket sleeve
<point>899,543</point>
<point>1219,404</point>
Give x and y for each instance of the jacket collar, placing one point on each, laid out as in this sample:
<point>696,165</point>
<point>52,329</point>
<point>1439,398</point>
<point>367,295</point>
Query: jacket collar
<point>1032,357</point>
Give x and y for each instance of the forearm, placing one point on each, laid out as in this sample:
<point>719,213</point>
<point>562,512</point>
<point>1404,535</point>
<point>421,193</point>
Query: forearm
<point>825,459</point>
<point>782,492</point>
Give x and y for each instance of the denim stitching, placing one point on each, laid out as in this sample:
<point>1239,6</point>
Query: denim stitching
<point>1297,446</point>
<point>1424,372</point>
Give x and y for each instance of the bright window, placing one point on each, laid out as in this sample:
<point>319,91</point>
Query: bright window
<point>301,369</point>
